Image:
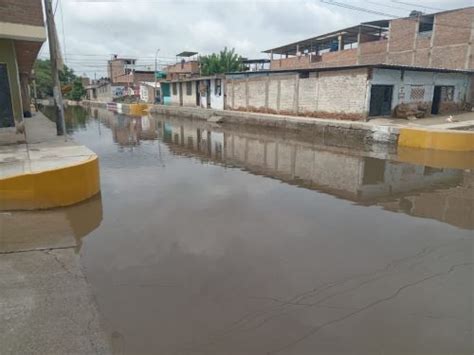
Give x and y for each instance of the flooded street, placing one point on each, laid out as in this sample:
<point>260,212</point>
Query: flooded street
<point>230,240</point>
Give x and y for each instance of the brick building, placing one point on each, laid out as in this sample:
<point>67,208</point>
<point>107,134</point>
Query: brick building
<point>22,33</point>
<point>122,71</point>
<point>187,66</point>
<point>368,90</point>
<point>440,40</point>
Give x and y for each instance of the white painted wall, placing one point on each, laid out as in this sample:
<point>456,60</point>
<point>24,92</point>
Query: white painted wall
<point>217,101</point>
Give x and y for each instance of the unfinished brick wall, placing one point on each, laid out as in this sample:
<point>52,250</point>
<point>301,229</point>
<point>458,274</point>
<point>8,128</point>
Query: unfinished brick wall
<point>318,95</point>
<point>353,83</point>
<point>372,52</point>
<point>453,28</point>
<point>291,63</point>
<point>26,12</point>
<point>341,58</point>
<point>137,77</point>
<point>449,45</point>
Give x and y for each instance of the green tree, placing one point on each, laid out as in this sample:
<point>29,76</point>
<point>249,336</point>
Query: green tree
<point>44,81</point>
<point>77,92</point>
<point>223,62</point>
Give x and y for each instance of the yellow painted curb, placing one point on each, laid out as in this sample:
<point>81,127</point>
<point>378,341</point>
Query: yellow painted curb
<point>436,158</point>
<point>450,140</point>
<point>137,109</point>
<point>51,188</point>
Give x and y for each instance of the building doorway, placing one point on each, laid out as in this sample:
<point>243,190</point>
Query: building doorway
<point>6,109</point>
<point>381,100</point>
<point>198,95</point>
<point>436,100</point>
<point>180,89</point>
<point>208,94</point>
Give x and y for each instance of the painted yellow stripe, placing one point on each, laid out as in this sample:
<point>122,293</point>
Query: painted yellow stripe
<point>436,158</point>
<point>450,140</point>
<point>51,188</point>
<point>137,109</point>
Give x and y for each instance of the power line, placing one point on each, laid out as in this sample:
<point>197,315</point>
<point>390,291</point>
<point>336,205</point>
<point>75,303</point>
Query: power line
<point>357,8</point>
<point>386,5</point>
<point>361,9</point>
<point>417,5</point>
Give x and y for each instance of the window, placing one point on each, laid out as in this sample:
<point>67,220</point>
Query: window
<point>425,25</point>
<point>174,87</point>
<point>189,88</point>
<point>417,93</point>
<point>218,87</point>
<point>447,93</point>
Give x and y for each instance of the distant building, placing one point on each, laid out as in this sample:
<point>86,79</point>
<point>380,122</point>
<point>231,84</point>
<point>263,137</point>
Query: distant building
<point>123,71</point>
<point>256,64</point>
<point>204,92</point>
<point>22,33</point>
<point>440,40</point>
<point>150,92</point>
<point>187,66</point>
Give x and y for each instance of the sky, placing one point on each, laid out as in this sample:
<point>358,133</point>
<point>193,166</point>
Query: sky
<point>90,31</point>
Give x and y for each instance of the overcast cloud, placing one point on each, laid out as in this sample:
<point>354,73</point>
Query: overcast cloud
<point>93,30</point>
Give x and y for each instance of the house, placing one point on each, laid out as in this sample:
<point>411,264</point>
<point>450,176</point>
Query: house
<point>204,92</point>
<point>368,90</point>
<point>104,91</point>
<point>123,72</point>
<point>256,64</point>
<point>150,92</point>
<point>187,66</point>
<point>21,38</point>
<point>440,40</point>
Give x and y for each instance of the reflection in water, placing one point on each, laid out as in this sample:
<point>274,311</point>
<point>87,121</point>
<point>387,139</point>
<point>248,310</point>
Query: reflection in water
<point>442,194</point>
<point>228,240</point>
<point>44,229</point>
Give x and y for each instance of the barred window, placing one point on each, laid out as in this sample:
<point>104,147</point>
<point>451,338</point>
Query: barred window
<point>417,93</point>
<point>218,87</point>
<point>447,93</point>
<point>189,88</point>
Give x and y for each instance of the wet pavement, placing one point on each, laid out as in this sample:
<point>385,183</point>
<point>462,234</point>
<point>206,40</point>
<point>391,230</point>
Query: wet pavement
<point>225,240</point>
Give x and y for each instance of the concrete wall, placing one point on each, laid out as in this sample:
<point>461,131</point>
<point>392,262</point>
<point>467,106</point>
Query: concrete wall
<point>319,95</point>
<point>418,87</point>
<point>8,57</point>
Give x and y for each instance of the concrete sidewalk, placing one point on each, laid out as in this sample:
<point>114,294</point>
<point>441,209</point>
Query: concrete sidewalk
<point>46,305</point>
<point>462,119</point>
<point>39,169</point>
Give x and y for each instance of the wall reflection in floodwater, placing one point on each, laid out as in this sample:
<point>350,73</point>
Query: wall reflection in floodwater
<point>439,193</point>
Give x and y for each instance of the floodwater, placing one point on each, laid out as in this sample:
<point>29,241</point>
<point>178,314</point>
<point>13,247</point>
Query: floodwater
<point>228,240</point>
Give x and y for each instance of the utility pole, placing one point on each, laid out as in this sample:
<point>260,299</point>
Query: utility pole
<point>156,79</point>
<point>53,52</point>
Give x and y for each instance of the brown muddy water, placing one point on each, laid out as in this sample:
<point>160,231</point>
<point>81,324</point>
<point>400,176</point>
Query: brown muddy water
<point>225,240</point>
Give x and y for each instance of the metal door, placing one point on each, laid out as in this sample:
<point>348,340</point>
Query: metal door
<point>381,100</point>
